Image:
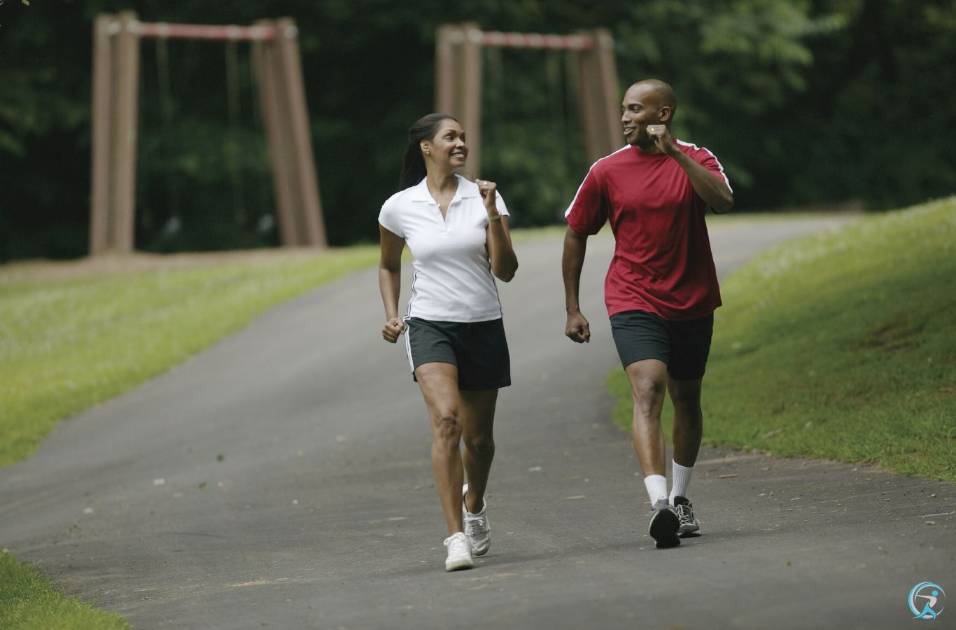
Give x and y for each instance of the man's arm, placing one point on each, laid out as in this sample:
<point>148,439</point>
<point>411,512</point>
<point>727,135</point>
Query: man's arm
<point>714,191</point>
<point>572,262</point>
<point>711,189</point>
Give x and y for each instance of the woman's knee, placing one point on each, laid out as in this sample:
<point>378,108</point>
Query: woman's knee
<point>482,444</point>
<point>446,426</point>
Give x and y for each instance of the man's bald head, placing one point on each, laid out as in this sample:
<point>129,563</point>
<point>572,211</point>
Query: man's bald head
<point>661,92</point>
<point>647,102</point>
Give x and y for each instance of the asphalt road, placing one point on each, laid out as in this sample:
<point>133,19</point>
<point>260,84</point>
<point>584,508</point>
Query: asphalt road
<point>281,479</point>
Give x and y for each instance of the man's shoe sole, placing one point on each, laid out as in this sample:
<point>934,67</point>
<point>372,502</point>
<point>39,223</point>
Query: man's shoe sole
<point>663,529</point>
<point>690,533</point>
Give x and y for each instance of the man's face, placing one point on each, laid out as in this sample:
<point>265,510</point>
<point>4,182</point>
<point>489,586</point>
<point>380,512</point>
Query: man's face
<point>641,107</point>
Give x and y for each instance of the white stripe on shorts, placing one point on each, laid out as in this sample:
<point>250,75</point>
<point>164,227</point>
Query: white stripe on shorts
<point>408,346</point>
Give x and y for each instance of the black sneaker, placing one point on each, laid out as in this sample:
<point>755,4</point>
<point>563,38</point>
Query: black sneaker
<point>689,525</point>
<point>664,525</point>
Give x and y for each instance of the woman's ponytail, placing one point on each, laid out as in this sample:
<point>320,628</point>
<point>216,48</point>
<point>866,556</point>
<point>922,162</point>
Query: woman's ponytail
<point>413,164</point>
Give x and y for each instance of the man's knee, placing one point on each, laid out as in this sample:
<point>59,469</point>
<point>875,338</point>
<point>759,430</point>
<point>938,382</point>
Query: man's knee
<point>685,394</point>
<point>647,388</point>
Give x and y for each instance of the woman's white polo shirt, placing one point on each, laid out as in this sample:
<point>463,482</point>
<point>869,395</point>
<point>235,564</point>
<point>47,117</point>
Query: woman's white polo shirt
<point>452,274</point>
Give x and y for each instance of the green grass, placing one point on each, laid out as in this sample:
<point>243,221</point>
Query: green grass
<point>67,344</point>
<point>840,346</point>
<point>29,602</point>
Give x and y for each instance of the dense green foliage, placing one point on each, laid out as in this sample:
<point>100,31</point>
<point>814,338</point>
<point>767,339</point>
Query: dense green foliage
<point>805,101</point>
<point>840,346</point>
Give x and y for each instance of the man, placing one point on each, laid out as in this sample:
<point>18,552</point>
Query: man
<point>661,288</point>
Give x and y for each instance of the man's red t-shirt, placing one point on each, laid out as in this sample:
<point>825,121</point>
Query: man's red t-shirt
<point>662,260</point>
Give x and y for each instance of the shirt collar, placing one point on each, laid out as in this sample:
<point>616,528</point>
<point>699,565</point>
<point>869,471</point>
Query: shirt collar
<point>466,190</point>
<point>420,192</point>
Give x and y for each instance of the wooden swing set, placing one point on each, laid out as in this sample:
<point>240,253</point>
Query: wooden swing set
<point>278,71</point>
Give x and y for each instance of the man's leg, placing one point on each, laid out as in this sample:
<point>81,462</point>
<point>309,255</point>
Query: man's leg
<point>688,428</point>
<point>648,384</point>
<point>691,346</point>
<point>643,343</point>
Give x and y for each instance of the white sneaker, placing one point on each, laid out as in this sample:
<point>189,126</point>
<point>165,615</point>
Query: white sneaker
<point>459,552</point>
<point>476,526</point>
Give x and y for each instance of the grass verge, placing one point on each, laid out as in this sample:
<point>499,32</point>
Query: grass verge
<point>29,602</point>
<point>71,340</point>
<point>840,346</point>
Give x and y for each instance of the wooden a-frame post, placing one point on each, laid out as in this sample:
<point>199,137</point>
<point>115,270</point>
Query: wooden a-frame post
<point>115,101</point>
<point>284,110</point>
<point>599,101</point>
<point>458,88</point>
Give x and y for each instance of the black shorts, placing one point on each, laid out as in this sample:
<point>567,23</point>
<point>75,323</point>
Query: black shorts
<point>682,345</point>
<point>479,349</point>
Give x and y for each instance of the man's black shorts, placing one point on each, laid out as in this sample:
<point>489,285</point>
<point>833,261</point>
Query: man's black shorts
<point>479,349</point>
<point>682,345</point>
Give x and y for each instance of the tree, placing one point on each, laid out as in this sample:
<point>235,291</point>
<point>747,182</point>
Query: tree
<point>805,101</point>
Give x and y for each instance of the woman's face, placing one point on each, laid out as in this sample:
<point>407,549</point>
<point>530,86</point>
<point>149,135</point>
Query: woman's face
<point>447,148</point>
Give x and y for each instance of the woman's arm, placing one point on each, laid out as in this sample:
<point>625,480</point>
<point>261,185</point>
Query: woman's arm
<point>504,262</point>
<point>501,253</point>
<point>390,281</point>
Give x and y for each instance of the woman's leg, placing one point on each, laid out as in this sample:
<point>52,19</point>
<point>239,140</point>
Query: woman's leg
<point>439,385</point>
<point>477,415</point>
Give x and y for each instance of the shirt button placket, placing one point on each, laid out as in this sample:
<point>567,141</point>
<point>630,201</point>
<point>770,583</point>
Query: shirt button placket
<point>447,221</point>
<point>442,220</point>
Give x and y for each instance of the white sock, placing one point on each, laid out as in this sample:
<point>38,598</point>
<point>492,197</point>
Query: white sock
<point>681,480</point>
<point>656,487</point>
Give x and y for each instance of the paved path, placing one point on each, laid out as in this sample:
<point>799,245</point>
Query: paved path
<point>281,479</point>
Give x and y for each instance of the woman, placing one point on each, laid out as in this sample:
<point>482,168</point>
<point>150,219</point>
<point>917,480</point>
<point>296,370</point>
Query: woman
<point>457,231</point>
